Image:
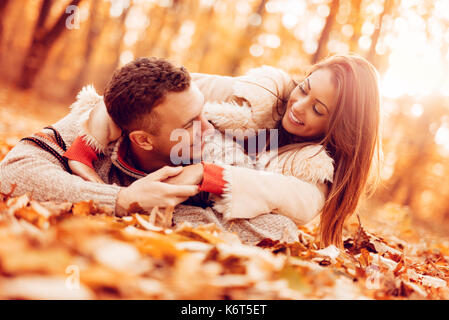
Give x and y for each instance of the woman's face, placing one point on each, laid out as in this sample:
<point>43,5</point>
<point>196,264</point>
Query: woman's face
<point>310,105</point>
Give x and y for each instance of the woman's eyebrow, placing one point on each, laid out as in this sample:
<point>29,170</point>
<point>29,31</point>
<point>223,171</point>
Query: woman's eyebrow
<point>308,84</point>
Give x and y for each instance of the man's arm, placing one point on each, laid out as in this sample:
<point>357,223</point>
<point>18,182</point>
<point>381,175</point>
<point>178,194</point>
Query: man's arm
<point>37,172</point>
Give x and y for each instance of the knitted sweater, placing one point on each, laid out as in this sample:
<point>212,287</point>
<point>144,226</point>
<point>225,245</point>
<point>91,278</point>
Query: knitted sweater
<point>35,171</point>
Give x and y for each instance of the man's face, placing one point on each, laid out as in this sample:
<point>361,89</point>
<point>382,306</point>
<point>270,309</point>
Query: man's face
<point>181,124</point>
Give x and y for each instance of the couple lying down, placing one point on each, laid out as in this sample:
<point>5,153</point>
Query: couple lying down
<point>315,160</point>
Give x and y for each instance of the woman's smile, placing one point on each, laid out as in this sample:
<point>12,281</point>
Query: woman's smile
<point>295,121</point>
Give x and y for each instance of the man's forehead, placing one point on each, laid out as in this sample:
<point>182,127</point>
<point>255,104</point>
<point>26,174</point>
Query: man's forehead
<point>182,105</point>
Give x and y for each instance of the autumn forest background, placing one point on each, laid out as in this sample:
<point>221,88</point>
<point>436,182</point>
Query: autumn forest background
<point>47,52</point>
<point>50,49</point>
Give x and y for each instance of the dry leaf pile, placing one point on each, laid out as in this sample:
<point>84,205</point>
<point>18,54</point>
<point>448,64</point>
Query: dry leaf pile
<point>81,251</point>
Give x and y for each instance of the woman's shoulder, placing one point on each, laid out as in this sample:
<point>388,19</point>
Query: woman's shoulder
<point>311,163</point>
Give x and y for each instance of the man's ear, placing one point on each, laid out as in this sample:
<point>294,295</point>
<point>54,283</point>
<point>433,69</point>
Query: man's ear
<point>141,139</point>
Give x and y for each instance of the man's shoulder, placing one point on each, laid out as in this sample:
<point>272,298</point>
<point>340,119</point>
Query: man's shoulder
<point>68,128</point>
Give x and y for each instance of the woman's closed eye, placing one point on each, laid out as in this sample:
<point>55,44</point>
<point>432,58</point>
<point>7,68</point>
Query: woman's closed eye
<point>303,91</point>
<point>316,111</point>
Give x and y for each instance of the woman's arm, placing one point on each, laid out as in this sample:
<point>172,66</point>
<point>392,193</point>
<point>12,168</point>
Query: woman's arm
<point>248,193</point>
<point>214,87</point>
<point>295,186</point>
<point>244,102</point>
<point>96,129</point>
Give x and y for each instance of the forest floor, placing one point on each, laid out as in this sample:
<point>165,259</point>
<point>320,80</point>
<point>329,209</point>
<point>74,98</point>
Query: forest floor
<point>95,255</point>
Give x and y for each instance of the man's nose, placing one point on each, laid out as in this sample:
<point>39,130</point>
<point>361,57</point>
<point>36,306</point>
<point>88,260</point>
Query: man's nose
<point>206,126</point>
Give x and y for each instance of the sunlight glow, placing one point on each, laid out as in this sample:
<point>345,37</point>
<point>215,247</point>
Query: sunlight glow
<point>117,7</point>
<point>269,40</point>
<point>126,56</point>
<point>442,136</point>
<point>415,67</point>
<point>417,110</point>
<point>418,64</point>
<point>286,6</point>
<point>256,50</point>
<point>289,20</point>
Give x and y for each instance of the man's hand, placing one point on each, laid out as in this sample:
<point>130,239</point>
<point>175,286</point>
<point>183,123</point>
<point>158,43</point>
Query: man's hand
<point>148,192</point>
<point>192,174</point>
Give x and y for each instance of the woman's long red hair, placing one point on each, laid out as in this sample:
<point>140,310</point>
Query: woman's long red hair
<point>352,139</point>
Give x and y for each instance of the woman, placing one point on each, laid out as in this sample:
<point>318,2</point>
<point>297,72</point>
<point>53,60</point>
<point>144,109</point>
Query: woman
<point>328,126</point>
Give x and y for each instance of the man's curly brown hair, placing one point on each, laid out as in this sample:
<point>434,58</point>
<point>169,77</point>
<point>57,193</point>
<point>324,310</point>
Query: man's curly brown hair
<point>139,86</point>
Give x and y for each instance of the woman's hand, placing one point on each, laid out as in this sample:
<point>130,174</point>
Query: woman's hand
<point>84,171</point>
<point>192,174</point>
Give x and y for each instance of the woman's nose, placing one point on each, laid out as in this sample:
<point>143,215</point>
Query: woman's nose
<point>298,107</point>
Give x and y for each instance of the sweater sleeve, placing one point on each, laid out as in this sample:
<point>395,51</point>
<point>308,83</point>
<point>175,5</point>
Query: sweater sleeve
<point>248,193</point>
<point>245,102</point>
<point>214,87</point>
<point>213,181</point>
<point>290,187</point>
<point>37,172</point>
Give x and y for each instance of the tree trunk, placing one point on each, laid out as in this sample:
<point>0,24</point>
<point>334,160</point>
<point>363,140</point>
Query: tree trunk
<point>356,20</point>
<point>143,47</point>
<point>177,15</point>
<point>92,36</point>
<point>324,37</point>
<point>41,44</point>
<point>245,40</point>
<point>206,42</point>
<point>118,45</point>
<point>3,5</point>
<point>372,55</point>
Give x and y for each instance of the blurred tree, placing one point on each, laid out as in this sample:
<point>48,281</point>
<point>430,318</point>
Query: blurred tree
<point>324,37</point>
<point>246,38</point>
<point>3,7</point>
<point>151,33</point>
<point>42,41</point>
<point>206,39</point>
<point>94,29</point>
<point>177,13</point>
<point>117,46</point>
<point>372,55</point>
<point>415,153</point>
<point>356,21</point>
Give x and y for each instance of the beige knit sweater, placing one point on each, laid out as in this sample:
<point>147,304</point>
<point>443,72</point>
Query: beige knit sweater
<point>40,174</point>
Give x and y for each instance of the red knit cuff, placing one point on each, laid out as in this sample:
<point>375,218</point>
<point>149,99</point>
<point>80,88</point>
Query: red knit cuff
<point>213,181</point>
<point>81,152</point>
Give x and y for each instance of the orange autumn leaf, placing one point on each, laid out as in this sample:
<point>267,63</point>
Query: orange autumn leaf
<point>365,258</point>
<point>83,208</point>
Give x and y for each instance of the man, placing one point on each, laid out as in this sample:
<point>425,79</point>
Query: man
<point>148,99</point>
